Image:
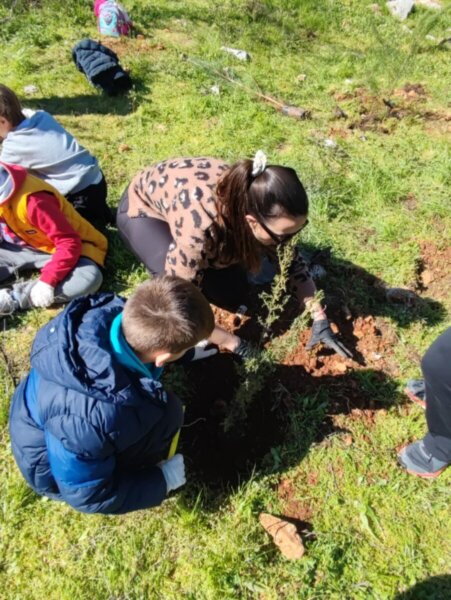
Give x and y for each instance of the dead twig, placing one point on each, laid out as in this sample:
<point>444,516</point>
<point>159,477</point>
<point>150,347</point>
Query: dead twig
<point>290,111</point>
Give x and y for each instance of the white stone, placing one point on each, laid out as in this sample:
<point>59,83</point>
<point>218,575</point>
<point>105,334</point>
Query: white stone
<point>240,54</point>
<point>30,89</point>
<point>400,8</point>
<point>330,143</point>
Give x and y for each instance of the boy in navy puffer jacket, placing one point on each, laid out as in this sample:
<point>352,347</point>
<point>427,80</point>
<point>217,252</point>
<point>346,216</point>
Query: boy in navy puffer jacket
<point>91,424</point>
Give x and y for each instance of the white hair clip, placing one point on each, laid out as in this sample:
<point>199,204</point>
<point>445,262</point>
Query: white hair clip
<point>259,163</point>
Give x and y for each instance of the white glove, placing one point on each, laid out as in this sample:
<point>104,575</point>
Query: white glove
<point>174,472</point>
<point>42,294</point>
<point>203,349</point>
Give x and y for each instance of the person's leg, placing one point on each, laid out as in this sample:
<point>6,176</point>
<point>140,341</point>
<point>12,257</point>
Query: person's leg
<point>437,376</point>
<point>147,238</point>
<point>91,203</point>
<point>416,391</point>
<point>266,274</point>
<point>227,288</point>
<point>15,258</point>
<point>430,456</point>
<point>85,278</point>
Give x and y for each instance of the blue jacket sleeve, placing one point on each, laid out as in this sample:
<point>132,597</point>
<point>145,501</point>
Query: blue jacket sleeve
<point>98,485</point>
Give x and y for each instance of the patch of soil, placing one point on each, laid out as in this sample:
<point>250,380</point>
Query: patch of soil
<point>124,46</point>
<point>370,336</point>
<point>219,457</point>
<point>222,458</point>
<point>434,271</point>
<point>380,115</point>
<point>410,202</point>
<point>292,507</point>
<point>411,92</point>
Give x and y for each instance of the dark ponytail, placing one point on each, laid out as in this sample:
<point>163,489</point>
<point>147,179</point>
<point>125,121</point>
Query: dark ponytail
<point>275,192</point>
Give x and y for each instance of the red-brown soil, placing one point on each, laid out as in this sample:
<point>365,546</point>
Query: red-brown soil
<point>357,387</point>
<point>434,273</point>
<point>225,457</point>
<point>381,114</point>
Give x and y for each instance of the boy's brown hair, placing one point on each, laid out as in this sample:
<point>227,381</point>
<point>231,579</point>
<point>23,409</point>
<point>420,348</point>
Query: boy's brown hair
<point>10,108</point>
<point>166,313</point>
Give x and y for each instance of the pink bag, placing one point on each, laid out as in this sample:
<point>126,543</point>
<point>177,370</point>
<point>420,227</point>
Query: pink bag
<point>112,18</point>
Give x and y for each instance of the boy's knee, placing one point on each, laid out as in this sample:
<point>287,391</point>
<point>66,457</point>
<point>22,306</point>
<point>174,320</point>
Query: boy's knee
<point>90,277</point>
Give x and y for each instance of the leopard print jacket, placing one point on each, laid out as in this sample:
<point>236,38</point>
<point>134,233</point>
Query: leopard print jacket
<point>181,192</point>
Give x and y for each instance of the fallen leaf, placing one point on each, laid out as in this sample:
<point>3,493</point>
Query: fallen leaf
<point>123,148</point>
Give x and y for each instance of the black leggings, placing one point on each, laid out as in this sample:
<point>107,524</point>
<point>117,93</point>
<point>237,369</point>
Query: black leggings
<point>91,203</point>
<point>437,377</point>
<point>149,240</point>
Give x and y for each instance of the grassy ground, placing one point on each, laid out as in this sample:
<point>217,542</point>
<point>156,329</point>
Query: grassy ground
<point>380,199</point>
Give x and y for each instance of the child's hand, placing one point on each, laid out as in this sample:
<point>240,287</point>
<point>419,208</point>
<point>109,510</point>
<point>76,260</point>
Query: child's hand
<point>204,349</point>
<point>174,472</point>
<point>42,294</point>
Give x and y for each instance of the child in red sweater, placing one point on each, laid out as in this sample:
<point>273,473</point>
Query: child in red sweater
<point>39,229</point>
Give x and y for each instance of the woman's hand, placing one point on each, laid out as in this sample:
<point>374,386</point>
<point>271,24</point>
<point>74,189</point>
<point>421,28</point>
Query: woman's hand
<point>323,334</point>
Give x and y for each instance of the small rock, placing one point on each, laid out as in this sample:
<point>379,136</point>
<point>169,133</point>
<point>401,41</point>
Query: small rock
<point>434,4</point>
<point>400,8</point>
<point>377,356</point>
<point>30,89</point>
<point>123,148</point>
<point>301,77</point>
<point>328,143</point>
<point>295,112</point>
<point>215,90</point>
<point>284,534</point>
<point>239,54</point>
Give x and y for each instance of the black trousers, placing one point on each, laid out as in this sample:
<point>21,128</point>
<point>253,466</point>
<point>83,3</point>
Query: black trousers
<point>149,240</point>
<point>436,367</point>
<point>91,203</point>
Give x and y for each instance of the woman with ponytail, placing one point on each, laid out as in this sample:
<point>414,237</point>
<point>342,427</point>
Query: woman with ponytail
<point>213,224</point>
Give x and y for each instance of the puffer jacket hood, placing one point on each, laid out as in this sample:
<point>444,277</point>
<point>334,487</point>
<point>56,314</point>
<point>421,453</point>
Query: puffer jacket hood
<point>11,178</point>
<point>73,350</point>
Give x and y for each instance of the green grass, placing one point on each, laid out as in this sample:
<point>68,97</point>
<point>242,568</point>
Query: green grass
<point>378,532</point>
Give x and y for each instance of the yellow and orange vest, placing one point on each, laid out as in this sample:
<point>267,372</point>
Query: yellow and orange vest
<point>14,212</point>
